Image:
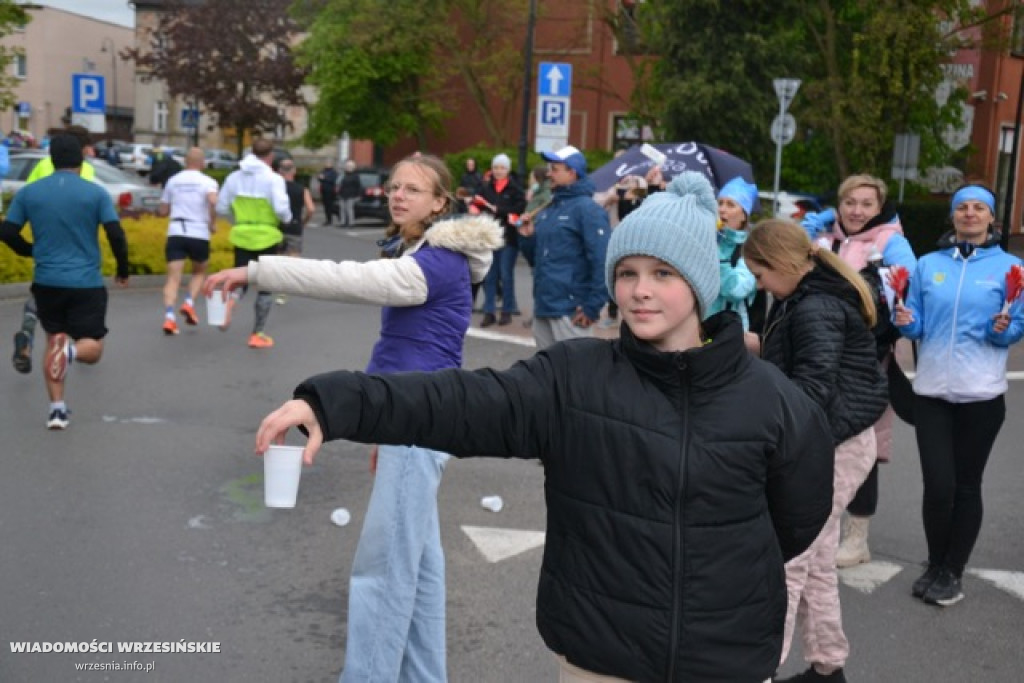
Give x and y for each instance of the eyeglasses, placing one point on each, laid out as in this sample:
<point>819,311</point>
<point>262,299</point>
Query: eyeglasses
<point>410,191</point>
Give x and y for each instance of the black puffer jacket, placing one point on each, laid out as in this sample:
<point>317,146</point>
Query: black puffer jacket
<point>511,200</point>
<point>676,486</point>
<point>818,337</point>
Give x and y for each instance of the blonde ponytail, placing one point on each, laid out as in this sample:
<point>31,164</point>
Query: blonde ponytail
<point>827,259</point>
<point>784,246</point>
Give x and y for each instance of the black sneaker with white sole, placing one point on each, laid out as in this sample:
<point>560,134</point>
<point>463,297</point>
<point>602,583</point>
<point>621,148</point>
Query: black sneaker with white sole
<point>945,590</point>
<point>22,352</point>
<point>925,581</point>
<point>58,419</point>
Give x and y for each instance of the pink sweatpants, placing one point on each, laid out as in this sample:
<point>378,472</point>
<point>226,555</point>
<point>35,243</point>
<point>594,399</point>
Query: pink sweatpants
<point>811,578</point>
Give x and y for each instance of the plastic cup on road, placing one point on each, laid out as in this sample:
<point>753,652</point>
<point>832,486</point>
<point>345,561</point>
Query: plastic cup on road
<point>282,468</point>
<point>492,503</point>
<point>216,308</point>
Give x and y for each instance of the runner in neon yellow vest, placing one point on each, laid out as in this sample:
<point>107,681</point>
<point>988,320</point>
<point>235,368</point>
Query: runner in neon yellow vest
<point>255,198</point>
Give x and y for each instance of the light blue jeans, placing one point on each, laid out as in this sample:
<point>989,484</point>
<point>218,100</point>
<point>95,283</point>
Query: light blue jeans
<point>396,600</point>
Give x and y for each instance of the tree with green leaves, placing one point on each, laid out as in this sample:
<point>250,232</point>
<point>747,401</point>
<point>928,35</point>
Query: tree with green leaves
<point>232,57</point>
<point>869,71</point>
<point>382,75</point>
<point>12,16</point>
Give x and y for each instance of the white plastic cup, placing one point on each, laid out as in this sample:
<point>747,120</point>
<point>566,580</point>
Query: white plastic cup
<point>216,309</point>
<point>341,517</point>
<point>282,468</point>
<point>492,503</point>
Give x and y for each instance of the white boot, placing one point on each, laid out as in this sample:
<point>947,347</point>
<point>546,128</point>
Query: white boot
<point>854,548</point>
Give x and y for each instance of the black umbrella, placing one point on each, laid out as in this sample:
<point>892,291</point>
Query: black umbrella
<point>720,167</point>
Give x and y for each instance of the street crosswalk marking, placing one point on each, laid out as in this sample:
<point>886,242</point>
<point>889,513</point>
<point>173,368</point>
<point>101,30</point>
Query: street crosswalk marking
<point>1011,582</point>
<point>868,576</point>
<point>500,336</point>
<point>497,544</point>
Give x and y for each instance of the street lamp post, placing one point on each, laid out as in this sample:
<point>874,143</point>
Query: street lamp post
<point>524,123</point>
<point>113,81</point>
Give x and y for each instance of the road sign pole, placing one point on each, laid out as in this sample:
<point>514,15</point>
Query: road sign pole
<point>785,89</point>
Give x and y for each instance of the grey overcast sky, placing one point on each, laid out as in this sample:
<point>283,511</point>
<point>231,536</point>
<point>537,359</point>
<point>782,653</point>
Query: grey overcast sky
<point>114,11</point>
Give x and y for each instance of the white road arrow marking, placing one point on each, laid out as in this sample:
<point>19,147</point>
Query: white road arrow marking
<point>500,544</point>
<point>1011,582</point>
<point>869,576</point>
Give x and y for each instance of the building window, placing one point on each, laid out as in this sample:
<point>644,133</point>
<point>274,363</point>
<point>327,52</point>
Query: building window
<point>1017,41</point>
<point>628,38</point>
<point>627,131</point>
<point>160,117</point>
<point>20,66</point>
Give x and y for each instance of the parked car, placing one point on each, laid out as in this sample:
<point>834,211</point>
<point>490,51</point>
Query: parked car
<point>135,156</point>
<point>128,191</point>
<point>221,158</point>
<point>138,156</point>
<point>373,203</point>
<point>791,205</point>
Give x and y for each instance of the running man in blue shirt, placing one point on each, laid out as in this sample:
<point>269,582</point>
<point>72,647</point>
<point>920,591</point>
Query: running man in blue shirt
<point>64,211</point>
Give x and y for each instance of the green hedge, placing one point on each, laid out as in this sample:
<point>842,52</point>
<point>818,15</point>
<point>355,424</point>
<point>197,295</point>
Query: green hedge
<point>146,238</point>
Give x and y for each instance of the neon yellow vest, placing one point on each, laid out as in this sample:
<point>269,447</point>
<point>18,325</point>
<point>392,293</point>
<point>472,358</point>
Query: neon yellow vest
<point>255,226</point>
<point>45,168</point>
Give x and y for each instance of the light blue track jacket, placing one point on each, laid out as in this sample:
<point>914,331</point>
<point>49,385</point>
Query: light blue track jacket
<point>953,299</point>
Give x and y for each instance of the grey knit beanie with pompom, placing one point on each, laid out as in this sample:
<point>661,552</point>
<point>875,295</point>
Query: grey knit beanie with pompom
<point>678,226</point>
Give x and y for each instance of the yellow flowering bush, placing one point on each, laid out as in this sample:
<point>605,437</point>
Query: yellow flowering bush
<point>146,236</point>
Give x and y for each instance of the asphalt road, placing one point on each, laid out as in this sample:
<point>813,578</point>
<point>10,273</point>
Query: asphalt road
<point>143,522</point>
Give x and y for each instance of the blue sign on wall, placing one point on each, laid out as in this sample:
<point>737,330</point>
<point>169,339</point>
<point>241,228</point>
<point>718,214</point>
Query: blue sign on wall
<point>87,94</point>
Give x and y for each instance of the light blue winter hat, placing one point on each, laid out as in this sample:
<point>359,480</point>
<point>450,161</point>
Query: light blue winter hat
<point>679,227</point>
<point>741,192</point>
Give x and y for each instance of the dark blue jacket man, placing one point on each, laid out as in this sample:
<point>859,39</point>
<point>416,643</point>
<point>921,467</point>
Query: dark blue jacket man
<point>567,250</point>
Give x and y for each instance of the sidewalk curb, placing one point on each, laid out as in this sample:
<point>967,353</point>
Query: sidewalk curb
<point>20,290</point>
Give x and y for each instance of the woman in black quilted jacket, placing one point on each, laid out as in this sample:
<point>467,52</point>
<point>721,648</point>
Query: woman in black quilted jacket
<point>819,333</point>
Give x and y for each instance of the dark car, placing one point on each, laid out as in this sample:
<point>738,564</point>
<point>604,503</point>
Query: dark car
<point>373,202</point>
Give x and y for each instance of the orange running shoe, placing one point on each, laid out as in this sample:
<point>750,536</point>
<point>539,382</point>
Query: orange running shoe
<point>170,327</point>
<point>190,314</point>
<point>260,341</point>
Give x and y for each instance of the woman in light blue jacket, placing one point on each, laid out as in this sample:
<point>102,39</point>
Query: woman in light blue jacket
<point>739,288</point>
<point>954,308</point>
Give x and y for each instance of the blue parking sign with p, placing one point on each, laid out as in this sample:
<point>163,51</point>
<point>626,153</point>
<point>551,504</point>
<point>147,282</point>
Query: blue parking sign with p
<point>87,94</point>
<point>552,112</point>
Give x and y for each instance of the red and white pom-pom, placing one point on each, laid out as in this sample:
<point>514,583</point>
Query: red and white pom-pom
<point>1014,285</point>
<point>898,279</point>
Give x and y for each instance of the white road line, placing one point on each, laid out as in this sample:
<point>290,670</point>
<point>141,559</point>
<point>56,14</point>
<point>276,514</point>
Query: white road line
<point>477,333</point>
<point>500,544</point>
<point>1011,582</point>
<point>869,576</point>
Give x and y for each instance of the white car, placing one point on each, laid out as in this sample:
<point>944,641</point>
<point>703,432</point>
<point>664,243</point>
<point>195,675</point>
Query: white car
<point>127,190</point>
<point>135,157</point>
<point>792,206</point>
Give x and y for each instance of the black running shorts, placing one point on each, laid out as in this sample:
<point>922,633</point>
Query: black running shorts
<point>180,247</point>
<point>79,313</point>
